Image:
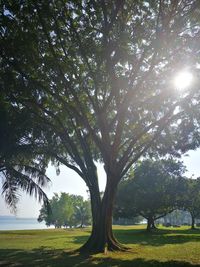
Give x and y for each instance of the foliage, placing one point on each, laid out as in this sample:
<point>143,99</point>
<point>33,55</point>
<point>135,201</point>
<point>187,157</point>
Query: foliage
<point>189,199</point>
<point>126,221</point>
<point>177,217</point>
<point>96,77</point>
<point>20,167</point>
<point>151,192</point>
<point>66,210</point>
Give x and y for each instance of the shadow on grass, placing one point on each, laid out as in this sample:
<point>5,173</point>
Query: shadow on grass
<point>43,257</point>
<point>157,237</point>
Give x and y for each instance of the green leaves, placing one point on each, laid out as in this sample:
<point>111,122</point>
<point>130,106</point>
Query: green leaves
<point>104,67</point>
<point>21,168</point>
<point>189,198</point>
<point>150,189</point>
<point>66,211</point>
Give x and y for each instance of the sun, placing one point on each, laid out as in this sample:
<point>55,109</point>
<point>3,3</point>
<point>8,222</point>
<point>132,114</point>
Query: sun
<point>183,80</point>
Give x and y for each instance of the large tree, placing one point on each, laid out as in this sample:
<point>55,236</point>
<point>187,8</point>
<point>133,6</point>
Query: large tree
<point>150,191</point>
<point>97,77</point>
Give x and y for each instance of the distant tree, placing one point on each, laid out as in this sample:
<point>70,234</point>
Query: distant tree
<point>189,198</point>
<point>82,212</point>
<point>67,211</point>
<point>177,217</point>
<point>122,219</point>
<point>150,190</point>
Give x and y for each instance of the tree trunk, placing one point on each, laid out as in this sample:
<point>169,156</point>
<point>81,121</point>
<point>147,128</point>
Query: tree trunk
<point>102,238</point>
<point>150,224</point>
<point>81,226</point>
<point>193,222</point>
<point>153,225</point>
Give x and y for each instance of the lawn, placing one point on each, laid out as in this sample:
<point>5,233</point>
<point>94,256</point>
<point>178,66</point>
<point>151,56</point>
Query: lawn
<point>48,248</point>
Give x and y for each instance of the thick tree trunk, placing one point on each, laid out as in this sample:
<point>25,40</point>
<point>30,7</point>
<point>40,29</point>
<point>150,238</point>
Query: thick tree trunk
<point>193,222</point>
<point>102,238</point>
<point>150,224</point>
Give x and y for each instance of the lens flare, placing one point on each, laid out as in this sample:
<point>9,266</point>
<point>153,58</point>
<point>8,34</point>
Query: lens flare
<point>183,80</point>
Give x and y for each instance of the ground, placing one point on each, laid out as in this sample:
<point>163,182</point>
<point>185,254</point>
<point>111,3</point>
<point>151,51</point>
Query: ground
<point>177,247</point>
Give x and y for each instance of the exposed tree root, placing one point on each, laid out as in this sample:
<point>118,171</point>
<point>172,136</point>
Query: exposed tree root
<point>93,246</point>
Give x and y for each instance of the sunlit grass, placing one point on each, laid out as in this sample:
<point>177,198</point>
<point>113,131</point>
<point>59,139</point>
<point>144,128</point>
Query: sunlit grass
<point>163,247</point>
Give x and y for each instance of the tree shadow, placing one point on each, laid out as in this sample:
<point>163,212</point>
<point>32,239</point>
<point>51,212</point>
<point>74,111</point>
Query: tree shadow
<point>139,262</point>
<point>43,257</point>
<point>157,237</point>
<point>40,257</point>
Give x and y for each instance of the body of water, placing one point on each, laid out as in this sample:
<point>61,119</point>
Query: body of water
<point>13,223</point>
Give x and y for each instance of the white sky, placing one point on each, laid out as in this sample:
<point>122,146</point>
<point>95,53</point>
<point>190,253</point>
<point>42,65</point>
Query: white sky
<point>68,181</point>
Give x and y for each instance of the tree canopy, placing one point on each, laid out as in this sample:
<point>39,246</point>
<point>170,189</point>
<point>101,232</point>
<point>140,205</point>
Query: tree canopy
<point>97,79</point>
<point>150,191</point>
<point>189,198</point>
<point>67,211</point>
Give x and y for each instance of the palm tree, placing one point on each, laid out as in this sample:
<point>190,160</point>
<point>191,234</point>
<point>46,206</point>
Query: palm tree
<point>23,177</point>
<point>21,168</point>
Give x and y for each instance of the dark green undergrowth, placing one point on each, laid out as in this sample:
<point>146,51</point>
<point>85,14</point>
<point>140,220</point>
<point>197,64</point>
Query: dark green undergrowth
<point>163,247</point>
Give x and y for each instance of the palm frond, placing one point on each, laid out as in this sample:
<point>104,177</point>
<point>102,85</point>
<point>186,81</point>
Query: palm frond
<point>10,191</point>
<point>34,173</point>
<point>29,180</point>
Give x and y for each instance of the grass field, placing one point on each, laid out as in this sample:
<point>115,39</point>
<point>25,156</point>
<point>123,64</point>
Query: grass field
<point>48,248</point>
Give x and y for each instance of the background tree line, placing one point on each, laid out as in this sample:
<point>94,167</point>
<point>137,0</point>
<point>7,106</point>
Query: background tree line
<point>66,211</point>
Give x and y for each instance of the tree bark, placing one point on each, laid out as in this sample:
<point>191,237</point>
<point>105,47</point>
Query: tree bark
<point>102,237</point>
<point>153,224</point>
<point>193,222</point>
<point>150,224</point>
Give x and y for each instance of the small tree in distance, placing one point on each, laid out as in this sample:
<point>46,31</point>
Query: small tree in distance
<point>189,198</point>
<point>150,191</point>
<point>66,211</point>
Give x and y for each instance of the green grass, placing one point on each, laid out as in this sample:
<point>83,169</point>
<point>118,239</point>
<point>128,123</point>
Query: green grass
<point>177,247</point>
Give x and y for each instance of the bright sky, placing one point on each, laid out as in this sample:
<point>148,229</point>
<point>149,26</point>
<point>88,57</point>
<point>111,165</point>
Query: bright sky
<point>68,181</point>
